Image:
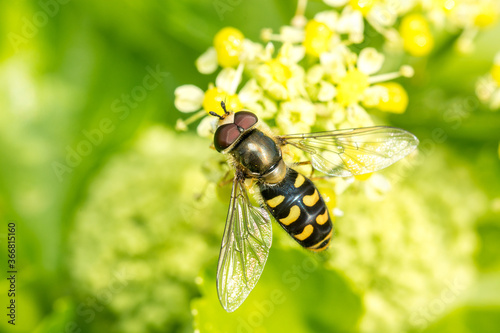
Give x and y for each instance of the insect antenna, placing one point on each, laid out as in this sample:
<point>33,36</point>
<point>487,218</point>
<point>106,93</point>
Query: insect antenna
<point>223,105</point>
<point>212,113</point>
<point>226,113</point>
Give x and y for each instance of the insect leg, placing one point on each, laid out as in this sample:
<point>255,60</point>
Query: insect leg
<point>226,179</point>
<point>307,163</point>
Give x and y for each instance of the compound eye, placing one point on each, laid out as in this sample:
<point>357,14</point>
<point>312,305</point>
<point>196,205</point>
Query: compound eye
<point>225,135</point>
<point>245,119</point>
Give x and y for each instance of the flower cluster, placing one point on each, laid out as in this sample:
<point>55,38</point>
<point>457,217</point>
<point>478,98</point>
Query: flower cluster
<point>399,251</point>
<point>318,74</point>
<point>411,25</point>
<point>312,75</point>
<point>305,77</point>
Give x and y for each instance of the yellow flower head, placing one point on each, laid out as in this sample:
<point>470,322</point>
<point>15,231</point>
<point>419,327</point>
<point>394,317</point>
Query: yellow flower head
<point>364,6</point>
<point>396,99</point>
<point>351,87</point>
<point>228,43</point>
<point>317,38</point>
<point>416,34</point>
<point>487,15</point>
<point>213,97</point>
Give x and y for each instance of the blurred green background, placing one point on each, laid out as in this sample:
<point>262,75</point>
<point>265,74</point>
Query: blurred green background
<point>118,228</point>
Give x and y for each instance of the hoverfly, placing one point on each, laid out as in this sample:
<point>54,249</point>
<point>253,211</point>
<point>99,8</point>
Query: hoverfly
<point>290,197</point>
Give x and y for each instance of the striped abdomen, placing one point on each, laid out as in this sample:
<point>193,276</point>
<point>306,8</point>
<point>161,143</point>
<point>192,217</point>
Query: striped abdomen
<point>297,205</point>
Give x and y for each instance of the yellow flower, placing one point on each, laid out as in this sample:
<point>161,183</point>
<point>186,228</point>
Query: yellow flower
<point>351,87</point>
<point>296,116</point>
<point>213,98</point>
<point>487,14</point>
<point>281,77</point>
<point>364,6</point>
<point>396,99</point>
<point>416,34</point>
<point>189,98</point>
<point>228,43</point>
<point>317,38</point>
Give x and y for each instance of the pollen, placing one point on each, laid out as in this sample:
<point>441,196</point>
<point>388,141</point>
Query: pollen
<point>228,43</point>
<point>317,38</point>
<point>213,97</point>
<point>416,34</point>
<point>396,99</point>
<point>351,87</point>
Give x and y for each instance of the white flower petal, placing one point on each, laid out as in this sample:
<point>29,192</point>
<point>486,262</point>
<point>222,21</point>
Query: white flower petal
<point>291,34</point>
<point>315,74</point>
<point>333,63</point>
<point>297,53</point>
<point>188,98</point>
<point>295,87</point>
<point>290,54</point>
<point>394,41</point>
<point>207,62</point>
<point>225,79</point>
<point>326,91</point>
<point>370,61</point>
<point>251,92</point>
<point>328,17</point>
<point>268,52</point>
<point>358,117</point>
<point>251,51</point>
<point>401,7</point>
<point>495,100</point>
<point>374,94</point>
<point>277,91</point>
<point>351,22</point>
<point>338,112</point>
<point>382,15</point>
<point>206,127</point>
<point>496,61</point>
<point>335,3</point>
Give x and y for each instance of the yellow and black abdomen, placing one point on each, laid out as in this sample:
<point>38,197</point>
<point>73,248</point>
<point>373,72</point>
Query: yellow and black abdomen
<point>297,205</point>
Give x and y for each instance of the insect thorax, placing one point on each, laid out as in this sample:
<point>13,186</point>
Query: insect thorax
<point>259,155</point>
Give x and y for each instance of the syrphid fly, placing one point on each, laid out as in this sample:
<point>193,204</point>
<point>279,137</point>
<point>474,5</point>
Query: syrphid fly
<point>285,194</point>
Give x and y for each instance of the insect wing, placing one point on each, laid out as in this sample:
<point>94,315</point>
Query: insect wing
<point>244,250</point>
<point>344,153</point>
